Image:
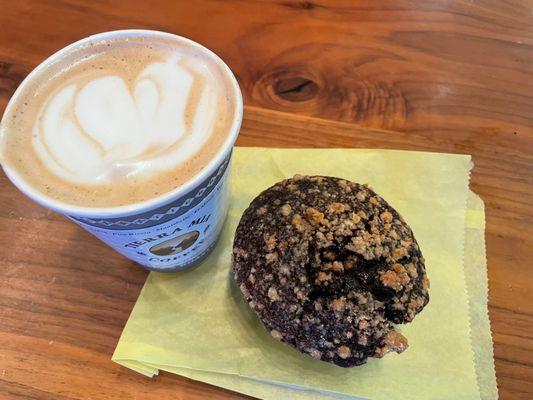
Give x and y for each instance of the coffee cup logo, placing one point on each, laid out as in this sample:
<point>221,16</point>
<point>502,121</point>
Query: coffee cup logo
<point>175,245</point>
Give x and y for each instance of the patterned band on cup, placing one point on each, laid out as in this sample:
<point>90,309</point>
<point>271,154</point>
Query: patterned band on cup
<point>164,213</point>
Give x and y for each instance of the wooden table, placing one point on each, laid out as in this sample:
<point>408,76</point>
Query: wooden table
<point>452,76</point>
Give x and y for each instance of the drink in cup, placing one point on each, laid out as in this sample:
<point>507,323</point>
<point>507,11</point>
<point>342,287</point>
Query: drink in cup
<point>129,134</point>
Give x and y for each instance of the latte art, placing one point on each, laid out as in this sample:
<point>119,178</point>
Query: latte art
<point>107,130</point>
<point>119,121</point>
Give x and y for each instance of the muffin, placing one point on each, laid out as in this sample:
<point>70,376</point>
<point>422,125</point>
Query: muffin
<point>329,267</point>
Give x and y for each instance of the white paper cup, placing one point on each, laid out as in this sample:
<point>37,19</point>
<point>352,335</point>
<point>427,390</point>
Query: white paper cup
<point>170,232</point>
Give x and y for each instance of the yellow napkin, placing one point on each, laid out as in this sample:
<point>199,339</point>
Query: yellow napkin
<point>476,278</point>
<point>197,324</point>
<point>475,262</point>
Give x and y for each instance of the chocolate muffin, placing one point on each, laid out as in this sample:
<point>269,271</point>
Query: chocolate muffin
<point>329,267</point>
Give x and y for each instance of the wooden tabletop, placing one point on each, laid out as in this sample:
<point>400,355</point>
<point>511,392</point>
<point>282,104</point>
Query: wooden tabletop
<point>452,76</point>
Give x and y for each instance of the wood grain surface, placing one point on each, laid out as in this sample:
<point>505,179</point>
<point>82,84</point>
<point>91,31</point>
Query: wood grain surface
<point>453,76</point>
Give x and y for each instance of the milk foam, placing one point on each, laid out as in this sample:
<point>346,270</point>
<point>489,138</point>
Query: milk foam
<point>118,121</point>
<point>106,130</point>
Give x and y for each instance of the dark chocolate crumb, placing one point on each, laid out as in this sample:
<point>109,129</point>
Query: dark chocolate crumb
<point>329,267</point>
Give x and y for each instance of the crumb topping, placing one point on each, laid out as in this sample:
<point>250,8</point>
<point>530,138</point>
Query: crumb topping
<point>329,267</point>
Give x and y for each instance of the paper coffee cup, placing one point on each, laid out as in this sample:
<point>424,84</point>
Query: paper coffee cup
<point>170,232</point>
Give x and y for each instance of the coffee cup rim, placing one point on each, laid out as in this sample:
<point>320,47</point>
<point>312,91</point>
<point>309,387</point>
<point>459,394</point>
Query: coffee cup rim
<point>145,205</point>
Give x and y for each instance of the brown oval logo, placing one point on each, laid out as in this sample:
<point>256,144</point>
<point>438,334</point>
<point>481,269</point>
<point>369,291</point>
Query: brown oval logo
<point>175,245</point>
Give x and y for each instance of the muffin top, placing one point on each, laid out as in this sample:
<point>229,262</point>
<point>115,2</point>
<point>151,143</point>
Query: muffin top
<point>329,267</point>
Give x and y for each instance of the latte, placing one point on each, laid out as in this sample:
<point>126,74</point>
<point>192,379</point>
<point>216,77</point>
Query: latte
<point>116,122</point>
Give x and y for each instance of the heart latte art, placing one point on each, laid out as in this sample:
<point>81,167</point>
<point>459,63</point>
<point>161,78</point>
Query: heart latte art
<point>106,130</point>
<point>118,122</point>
